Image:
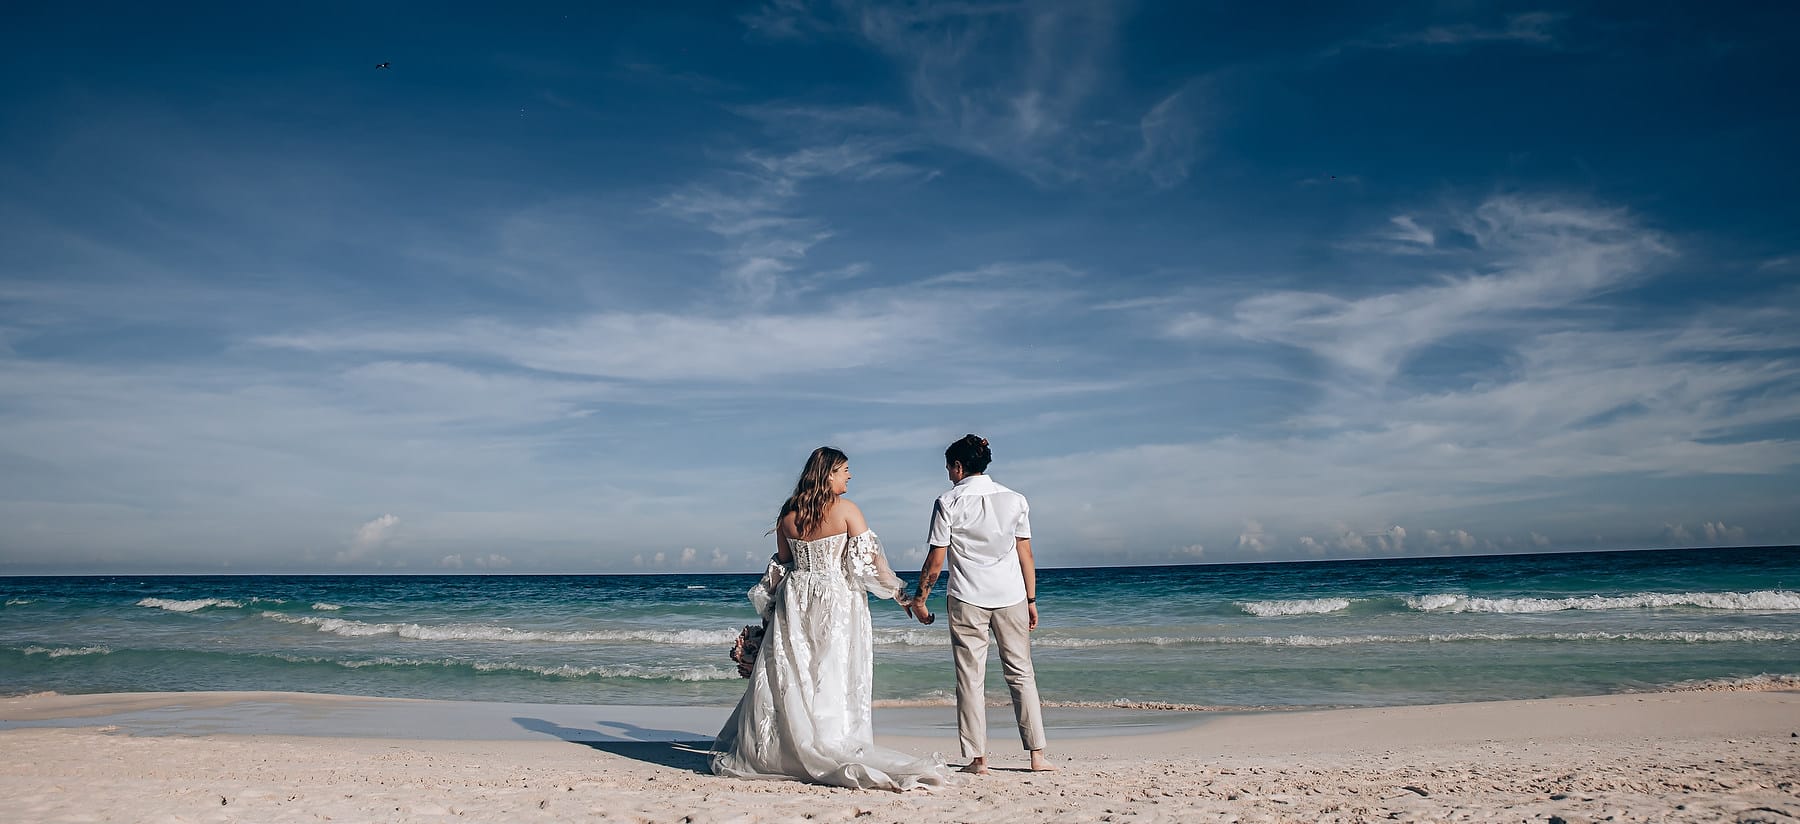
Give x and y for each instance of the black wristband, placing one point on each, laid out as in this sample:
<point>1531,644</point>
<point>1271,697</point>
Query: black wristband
<point>1031,600</point>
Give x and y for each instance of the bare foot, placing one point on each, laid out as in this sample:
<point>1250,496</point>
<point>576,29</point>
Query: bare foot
<point>1039,763</point>
<point>976,766</point>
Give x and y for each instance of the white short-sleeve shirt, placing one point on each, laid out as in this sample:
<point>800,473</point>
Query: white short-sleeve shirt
<point>979,521</point>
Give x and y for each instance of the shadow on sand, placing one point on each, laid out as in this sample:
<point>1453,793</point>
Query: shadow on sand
<point>669,748</point>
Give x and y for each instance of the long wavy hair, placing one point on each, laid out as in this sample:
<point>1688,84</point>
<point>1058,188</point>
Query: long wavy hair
<point>812,493</point>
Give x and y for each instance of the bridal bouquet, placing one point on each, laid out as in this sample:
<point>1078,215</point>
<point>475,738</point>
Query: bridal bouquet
<point>744,650</point>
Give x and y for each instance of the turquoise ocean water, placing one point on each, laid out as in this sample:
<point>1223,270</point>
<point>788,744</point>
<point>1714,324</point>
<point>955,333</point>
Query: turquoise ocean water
<point>1349,633</point>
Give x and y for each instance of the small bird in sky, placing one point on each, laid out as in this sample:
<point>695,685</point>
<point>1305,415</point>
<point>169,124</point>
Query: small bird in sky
<point>381,65</point>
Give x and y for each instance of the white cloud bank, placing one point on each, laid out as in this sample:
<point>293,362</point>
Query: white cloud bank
<point>1562,393</point>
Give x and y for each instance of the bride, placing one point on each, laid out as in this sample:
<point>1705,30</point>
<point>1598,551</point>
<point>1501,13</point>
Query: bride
<point>806,715</point>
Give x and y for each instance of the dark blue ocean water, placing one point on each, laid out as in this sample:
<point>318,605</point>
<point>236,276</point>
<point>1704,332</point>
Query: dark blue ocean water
<point>1378,632</point>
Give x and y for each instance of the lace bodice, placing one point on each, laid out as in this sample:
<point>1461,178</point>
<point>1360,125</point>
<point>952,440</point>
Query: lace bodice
<point>856,556</point>
<point>823,555</point>
<point>856,559</point>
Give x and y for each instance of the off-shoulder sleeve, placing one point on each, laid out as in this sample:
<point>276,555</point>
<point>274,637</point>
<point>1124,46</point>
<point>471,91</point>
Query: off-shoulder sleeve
<point>866,567</point>
<point>762,596</point>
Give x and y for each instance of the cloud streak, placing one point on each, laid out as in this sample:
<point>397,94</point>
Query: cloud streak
<point>1535,28</point>
<point>1530,256</point>
<point>752,209</point>
<point>1025,86</point>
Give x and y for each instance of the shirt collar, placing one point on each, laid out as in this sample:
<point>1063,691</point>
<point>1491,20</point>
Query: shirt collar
<point>974,480</point>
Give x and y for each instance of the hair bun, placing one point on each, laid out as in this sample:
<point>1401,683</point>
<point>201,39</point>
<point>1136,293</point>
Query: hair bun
<point>971,451</point>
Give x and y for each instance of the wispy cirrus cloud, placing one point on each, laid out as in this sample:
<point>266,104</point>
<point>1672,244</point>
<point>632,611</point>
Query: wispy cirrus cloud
<point>1408,231</point>
<point>752,208</point>
<point>1171,135</point>
<point>1026,86</point>
<point>1537,28</point>
<point>887,440</point>
<point>889,338</point>
<point>737,348</point>
<point>1529,255</point>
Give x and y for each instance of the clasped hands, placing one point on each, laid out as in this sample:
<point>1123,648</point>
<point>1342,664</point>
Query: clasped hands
<point>917,609</point>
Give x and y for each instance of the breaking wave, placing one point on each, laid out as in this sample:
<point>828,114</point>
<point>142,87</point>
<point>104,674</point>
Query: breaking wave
<point>1694,637</point>
<point>1765,682</point>
<point>64,652</point>
<point>1310,606</point>
<point>194,605</point>
<point>489,632</point>
<point>632,671</point>
<point>922,637</point>
<point>1761,601</point>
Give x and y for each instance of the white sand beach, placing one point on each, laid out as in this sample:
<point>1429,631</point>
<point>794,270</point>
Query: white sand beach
<point>1688,756</point>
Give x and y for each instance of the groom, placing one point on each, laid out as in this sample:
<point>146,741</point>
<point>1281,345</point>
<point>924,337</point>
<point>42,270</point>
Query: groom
<point>984,530</point>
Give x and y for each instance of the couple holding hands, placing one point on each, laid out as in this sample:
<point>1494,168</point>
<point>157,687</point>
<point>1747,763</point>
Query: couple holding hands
<point>806,713</point>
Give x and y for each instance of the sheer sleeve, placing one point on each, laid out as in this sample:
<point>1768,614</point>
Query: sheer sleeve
<point>866,568</point>
<point>762,596</point>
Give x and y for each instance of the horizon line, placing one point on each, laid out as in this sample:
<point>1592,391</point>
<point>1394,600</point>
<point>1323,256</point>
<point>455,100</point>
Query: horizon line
<point>458,574</point>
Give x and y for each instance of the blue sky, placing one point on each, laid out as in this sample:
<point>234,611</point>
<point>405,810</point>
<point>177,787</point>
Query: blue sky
<point>569,289</point>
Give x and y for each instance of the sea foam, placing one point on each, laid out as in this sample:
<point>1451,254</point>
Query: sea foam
<point>1765,682</point>
<point>912,637</point>
<point>64,652</point>
<point>1760,601</point>
<point>488,632</point>
<point>1687,637</point>
<point>632,671</point>
<point>1311,606</point>
<point>928,638</point>
<point>187,606</point>
<point>622,671</point>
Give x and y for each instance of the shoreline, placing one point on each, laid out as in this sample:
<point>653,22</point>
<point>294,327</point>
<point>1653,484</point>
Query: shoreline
<point>1674,756</point>
<point>327,715</point>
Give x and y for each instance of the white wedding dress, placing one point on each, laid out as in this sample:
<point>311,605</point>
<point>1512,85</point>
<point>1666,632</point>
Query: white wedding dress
<point>806,714</point>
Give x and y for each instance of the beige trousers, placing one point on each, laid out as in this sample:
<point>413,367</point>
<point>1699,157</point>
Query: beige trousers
<point>969,625</point>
